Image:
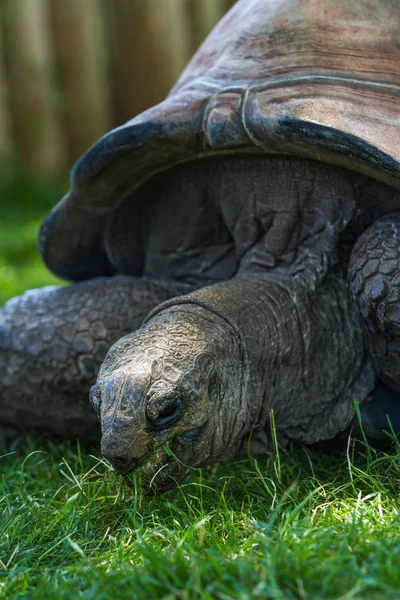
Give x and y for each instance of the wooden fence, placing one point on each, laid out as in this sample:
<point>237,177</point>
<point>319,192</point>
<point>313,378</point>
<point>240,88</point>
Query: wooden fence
<point>70,70</point>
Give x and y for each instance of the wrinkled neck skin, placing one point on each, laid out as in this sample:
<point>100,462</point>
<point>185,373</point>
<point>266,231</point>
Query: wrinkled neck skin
<point>301,356</point>
<point>230,354</point>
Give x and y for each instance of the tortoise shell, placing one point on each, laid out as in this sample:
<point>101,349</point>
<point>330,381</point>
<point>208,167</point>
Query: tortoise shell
<point>316,78</point>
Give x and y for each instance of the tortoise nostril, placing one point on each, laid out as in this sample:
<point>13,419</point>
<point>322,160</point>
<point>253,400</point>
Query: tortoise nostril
<point>95,398</point>
<point>168,414</point>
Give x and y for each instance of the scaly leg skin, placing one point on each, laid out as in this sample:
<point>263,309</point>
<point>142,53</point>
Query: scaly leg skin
<point>374,276</point>
<point>205,371</point>
<point>52,342</point>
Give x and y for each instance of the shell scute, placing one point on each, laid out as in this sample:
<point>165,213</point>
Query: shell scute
<point>311,78</point>
<point>223,126</point>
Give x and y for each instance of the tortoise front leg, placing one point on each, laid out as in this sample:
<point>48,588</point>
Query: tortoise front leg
<point>52,342</point>
<point>374,275</point>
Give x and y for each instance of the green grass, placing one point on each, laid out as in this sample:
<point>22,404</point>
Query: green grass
<point>316,528</point>
<point>24,201</point>
<point>295,526</point>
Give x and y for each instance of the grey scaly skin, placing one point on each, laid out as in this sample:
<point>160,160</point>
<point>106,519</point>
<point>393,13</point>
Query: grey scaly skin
<point>375,288</point>
<point>248,200</point>
<point>206,370</point>
<point>52,343</point>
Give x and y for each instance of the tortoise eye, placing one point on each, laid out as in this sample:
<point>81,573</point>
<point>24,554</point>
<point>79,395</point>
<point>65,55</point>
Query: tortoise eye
<point>165,414</point>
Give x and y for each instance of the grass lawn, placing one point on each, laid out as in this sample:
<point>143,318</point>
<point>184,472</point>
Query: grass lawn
<point>298,525</point>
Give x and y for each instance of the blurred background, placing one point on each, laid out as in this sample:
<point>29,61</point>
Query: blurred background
<point>70,70</point>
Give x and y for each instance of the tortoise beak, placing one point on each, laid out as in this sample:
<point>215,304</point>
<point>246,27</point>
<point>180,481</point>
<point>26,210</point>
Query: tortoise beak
<point>124,465</point>
<point>123,456</point>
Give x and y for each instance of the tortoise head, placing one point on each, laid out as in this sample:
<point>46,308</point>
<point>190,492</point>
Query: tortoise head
<point>169,396</point>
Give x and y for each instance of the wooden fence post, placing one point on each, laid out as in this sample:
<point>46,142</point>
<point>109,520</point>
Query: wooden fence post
<point>150,46</point>
<point>204,15</point>
<point>229,4</point>
<point>179,26</point>
<point>79,42</point>
<point>6,146</point>
<point>29,72</point>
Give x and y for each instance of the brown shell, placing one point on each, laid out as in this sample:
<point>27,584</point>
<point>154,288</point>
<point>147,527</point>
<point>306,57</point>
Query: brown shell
<point>314,78</point>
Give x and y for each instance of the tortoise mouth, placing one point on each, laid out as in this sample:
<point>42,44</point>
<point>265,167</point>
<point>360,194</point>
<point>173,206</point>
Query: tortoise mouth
<point>165,468</point>
<point>163,475</point>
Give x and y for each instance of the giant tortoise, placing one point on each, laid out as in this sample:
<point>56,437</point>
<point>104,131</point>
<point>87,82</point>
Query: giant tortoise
<point>234,251</point>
